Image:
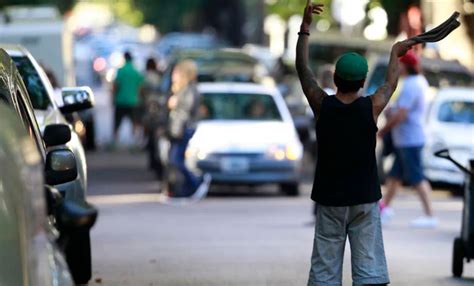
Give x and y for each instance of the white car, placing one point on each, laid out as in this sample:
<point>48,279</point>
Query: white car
<point>47,112</point>
<point>246,137</point>
<point>450,124</point>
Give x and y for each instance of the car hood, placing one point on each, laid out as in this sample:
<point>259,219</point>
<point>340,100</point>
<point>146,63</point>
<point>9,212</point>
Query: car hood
<point>243,136</point>
<point>458,138</point>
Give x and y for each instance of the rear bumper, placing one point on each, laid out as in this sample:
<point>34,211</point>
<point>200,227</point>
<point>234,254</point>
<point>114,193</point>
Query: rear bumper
<point>255,178</point>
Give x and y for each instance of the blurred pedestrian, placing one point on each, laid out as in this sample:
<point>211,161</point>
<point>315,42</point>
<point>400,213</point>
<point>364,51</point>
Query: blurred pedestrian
<point>346,185</point>
<point>125,90</point>
<point>405,122</point>
<point>184,113</point>
<point>155,113</point>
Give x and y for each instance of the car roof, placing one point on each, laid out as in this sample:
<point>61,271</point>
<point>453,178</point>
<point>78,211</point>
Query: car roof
<point>236,87</point>
<point>456,93</point>
<point>214,53</point>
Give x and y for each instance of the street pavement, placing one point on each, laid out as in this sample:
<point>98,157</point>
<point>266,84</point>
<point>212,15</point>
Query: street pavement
<point>240,236</point>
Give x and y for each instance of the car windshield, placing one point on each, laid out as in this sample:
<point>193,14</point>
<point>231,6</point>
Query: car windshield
<point>238,106</point>
<point>456,112</point>
<point>36,90</point>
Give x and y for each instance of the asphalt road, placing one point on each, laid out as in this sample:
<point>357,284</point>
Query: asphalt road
<point>245,237</point>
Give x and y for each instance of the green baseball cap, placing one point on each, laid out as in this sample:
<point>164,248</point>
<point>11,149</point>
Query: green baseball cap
<point>352,66</point>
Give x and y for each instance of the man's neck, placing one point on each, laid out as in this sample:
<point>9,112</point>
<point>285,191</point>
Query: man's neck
<point>347,97</point>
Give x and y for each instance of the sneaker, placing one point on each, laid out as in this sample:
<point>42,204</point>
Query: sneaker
<point>203,188</point>
<point>425,222</point>
<point>386,214</point>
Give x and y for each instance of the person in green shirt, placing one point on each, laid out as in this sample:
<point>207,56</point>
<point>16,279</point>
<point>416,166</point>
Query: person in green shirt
<point>126,89</point>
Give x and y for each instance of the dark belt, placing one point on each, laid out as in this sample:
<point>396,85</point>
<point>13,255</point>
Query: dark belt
<point>440,32</point>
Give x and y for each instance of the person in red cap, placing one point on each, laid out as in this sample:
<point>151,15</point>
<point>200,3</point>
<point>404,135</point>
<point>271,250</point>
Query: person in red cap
<point>346,186</point>
<point>405,122</point>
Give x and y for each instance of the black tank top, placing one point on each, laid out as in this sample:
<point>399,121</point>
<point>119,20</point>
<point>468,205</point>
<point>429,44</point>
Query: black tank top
<point>346,170</point>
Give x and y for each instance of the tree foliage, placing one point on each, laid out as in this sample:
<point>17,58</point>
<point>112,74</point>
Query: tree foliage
<point>288,8</point>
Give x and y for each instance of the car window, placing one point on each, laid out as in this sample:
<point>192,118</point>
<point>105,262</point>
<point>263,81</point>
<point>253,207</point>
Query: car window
<point>24,116</point>
<point>36,90</point>
<point>28,118</point>
<point>456,112</point>
<point>436,78</point>
<point>233,106</point>
<point>448,78</point>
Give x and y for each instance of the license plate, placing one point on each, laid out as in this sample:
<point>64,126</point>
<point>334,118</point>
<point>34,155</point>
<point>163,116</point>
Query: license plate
<point>234,165</point>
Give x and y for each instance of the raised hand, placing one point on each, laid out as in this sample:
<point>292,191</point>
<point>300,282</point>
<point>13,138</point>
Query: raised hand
<point>309,10</point>
<point>401,48</point>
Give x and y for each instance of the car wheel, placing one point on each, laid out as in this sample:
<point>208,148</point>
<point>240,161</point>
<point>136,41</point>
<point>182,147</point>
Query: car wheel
<point>291,189</point>
<point>78,256</point>
<point>458,257</point>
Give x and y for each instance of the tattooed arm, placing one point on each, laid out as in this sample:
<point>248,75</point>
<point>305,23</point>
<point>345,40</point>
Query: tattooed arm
<point>313,92</point>
<point>382,96</point>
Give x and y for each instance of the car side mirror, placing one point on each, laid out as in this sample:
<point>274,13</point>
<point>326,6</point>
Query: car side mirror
<point>60,167</point>
<point>73,216</point>
<point>56,134</point>
<point>76,99</point>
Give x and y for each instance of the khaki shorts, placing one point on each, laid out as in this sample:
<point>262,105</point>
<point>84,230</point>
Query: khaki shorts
<point>361,223</point>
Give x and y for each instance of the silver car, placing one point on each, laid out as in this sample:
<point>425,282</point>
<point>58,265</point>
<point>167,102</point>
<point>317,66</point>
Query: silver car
<point>29,254</point>
<point>47,112</point>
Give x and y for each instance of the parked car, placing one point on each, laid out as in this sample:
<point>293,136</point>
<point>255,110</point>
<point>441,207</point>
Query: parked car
<point>172,42</point>
<point>439,74</point>
<point>449,124</point>
<point>78,251</point>
<point>246,136</point>
<point>29,254</point>
<point>60,167</point>
<point>218,65</point>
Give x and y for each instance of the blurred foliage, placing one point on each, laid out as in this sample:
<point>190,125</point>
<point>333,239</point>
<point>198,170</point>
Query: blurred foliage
<point>165,14</point>
<point>394,9</point>
<point>187,14</point>
<point>170,15</point>
<point>288,8</point>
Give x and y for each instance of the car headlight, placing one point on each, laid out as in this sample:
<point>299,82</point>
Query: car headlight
<point>281,152</point>
<point>194,152</point>
<point>293,153</point>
